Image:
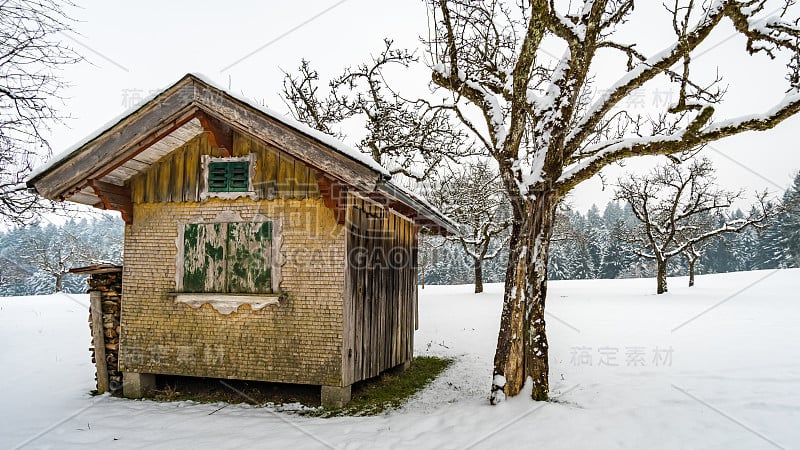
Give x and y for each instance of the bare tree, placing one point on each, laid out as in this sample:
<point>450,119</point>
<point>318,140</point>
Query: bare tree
<point>31,53</point>
<point>12,272</point>
<point>533,115</point>
<point>411,138</point>
<point>679,209</point>
<point>301,94</point>
<point>55,250</point>
<point>474,197</point>
<point>36,258</point>
<point>692,254</point>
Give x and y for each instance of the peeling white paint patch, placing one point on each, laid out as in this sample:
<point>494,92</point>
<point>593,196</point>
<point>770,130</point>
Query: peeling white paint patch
<point>228,303</point>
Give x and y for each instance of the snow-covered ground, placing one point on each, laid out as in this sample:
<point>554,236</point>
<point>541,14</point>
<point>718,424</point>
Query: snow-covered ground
<point>714,366</point>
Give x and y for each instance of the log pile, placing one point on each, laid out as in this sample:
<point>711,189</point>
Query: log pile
<point>105,290</point>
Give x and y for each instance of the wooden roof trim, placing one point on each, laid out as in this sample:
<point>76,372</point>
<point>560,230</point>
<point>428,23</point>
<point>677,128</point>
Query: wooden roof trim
<point>294,142</point>
<point>116,126</point>
<point>148,141</point>
<point>168,111</point>
<point>220,112</point>
<point>112,149</point>
<point>220,134</point>
<point>412,212</point>
<point>423,213</point>
<point>96,269</point>
<point>115,198</point>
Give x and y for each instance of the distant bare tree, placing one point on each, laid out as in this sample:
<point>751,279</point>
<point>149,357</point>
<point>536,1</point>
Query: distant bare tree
<point>473,197</point>
<point>408,137</point>
<point>31,53</point>
<point>679,209</point>
<point>12,272</point>
<point>691,254</point>
<point>55,250</point>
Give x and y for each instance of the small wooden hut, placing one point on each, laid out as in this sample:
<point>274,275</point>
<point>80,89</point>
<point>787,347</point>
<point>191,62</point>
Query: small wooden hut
<point>255,248</point>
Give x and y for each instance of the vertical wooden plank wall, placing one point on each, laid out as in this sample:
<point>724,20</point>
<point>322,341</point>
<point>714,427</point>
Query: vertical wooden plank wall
<point>177,177</point>
<point>380,289</point>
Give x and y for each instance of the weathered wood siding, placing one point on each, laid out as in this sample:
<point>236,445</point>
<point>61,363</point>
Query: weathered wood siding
<point>178,177</point>
<point>380,291</point>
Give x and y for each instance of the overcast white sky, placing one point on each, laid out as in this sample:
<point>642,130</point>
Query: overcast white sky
<point>137,47</point>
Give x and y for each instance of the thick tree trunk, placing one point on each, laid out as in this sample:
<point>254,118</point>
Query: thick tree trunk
<point>691,272</point>
<point>478,276</point>
<point>522,343</point>
<point>661,277</point>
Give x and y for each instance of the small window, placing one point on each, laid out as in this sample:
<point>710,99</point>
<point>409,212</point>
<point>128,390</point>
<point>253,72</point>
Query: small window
<point>229,176</point>
<point>231,257</point>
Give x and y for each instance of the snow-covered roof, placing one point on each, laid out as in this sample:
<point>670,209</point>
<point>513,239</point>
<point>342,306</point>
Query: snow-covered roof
<point>328,140</point>
<point>397,190</point>
<point>140,136</point>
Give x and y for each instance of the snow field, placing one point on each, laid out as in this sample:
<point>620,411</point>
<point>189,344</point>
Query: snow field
<point>714,366</point>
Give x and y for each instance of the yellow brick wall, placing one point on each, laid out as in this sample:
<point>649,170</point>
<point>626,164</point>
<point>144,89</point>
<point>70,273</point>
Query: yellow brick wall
<point>298,341</point>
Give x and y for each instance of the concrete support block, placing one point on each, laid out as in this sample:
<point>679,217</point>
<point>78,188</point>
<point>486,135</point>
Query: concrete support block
<point>335,396</point>
<point>137,385</point>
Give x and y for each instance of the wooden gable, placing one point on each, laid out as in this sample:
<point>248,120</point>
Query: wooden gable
<point>154,154</point>
<point>178,176</point>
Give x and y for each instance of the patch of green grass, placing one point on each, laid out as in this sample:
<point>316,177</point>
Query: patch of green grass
<point>370,397</point>
<point>390,390</point>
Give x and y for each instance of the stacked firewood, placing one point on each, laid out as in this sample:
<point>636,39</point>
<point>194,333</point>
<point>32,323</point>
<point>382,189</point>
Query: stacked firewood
<point>109,285</point>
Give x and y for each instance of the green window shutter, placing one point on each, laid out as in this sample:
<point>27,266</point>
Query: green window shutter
<point>227,257</point>
<point>228,176</point>
<point>217,177</point>
<point>238,176</point>
<point>249,258</point>
<point>204,257</point>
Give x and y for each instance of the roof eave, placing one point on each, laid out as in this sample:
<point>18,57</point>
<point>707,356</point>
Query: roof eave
<point>120,138</point>
<point>441,223</point>
<point>193,93</point>
<point>104,132</point>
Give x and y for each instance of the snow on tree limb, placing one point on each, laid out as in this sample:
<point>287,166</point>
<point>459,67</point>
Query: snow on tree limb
<point>486,54</point>
<point>506,110</point>
<point>693,136</point>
